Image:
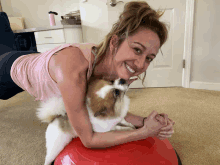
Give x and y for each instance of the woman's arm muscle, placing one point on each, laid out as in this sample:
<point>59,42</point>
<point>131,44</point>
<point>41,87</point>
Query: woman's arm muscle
<point>71,71</point>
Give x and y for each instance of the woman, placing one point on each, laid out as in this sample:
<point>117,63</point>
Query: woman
<point>126,51</point>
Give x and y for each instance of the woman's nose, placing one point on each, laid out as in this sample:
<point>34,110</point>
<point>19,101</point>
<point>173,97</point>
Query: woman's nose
<point>140,63</point>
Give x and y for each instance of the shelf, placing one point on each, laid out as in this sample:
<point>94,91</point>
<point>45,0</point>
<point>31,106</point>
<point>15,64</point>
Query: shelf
<point>46,28</point>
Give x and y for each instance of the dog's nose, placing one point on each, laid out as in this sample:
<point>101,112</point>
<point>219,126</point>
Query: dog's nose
<point>122,81</point>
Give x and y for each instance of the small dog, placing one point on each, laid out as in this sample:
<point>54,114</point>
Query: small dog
<point>107,106</point>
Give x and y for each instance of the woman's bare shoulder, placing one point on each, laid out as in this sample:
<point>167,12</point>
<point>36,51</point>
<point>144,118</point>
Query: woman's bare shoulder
<point>67,62</point>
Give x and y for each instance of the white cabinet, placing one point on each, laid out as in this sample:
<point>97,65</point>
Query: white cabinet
<point>48,39</point>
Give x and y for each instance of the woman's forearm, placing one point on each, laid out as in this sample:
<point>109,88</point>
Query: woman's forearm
<point>108,139</point>
<point>137,121</point>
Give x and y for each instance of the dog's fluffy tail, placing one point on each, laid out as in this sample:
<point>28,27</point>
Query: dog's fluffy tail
<point>50,109</point>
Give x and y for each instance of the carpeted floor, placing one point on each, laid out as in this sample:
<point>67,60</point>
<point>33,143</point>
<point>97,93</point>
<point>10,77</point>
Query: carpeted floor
<point>196,113</point>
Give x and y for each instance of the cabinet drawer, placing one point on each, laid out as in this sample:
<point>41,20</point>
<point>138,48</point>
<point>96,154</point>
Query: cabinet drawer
<point>50,37</point>
<point>46,47</point>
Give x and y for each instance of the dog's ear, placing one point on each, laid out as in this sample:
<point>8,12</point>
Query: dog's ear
<point>102,112</point>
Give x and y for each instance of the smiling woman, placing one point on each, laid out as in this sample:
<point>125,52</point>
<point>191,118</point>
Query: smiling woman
<point>138,24</point>
<point>65,71</point>
<point>132,58</point>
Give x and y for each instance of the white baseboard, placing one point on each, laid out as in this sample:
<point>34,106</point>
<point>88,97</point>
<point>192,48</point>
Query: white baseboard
<point>204,85</point>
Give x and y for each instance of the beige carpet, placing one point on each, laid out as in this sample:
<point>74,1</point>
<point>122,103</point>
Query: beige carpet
<point>196,113</point>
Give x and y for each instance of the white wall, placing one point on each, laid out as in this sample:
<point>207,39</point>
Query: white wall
<point>94,16</point>
<point>205,69</point>
<point>35,12</point>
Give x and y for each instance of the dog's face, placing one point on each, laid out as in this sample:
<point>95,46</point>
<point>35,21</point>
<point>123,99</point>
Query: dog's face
<point>106,99</point>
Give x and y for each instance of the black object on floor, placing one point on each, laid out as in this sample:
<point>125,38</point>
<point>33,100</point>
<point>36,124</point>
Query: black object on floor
<point>179,161</point>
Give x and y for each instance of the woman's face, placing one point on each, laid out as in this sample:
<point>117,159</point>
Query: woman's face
<point>135,54</point>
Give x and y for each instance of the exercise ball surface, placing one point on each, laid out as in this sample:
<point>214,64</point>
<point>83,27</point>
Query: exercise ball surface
<point>150,151</point>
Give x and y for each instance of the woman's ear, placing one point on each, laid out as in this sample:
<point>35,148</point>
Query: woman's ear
<point>114,44</point>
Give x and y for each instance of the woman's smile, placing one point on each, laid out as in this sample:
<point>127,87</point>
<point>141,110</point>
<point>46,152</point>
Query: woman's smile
<point>129,68</point>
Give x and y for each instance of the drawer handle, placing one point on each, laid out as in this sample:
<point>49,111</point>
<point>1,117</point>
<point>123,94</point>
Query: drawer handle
<point>48,37</point>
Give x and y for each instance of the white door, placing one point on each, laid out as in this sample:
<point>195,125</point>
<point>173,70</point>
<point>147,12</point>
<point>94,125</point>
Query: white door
<point>166,70</point>
<point>94,17</point>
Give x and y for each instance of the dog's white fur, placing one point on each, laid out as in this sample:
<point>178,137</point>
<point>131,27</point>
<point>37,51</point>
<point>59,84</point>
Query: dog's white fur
<point>59,131</point>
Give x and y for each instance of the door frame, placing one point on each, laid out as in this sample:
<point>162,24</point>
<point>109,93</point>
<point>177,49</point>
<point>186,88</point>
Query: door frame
<point>188,41</point>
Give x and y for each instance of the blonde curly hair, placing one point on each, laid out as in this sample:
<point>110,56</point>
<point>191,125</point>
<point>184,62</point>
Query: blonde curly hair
<point>135,14</point>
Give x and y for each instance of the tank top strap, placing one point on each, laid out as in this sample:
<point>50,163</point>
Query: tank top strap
<point>94,50</point>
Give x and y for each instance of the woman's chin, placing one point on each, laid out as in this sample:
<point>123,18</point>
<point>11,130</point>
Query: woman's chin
<point>125,77</point>
<point>131,80</point>
<point>124,74</point>
<point>128,77</point>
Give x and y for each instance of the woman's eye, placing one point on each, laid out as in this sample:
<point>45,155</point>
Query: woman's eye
<point>138,50</point>
<point>149,59</point>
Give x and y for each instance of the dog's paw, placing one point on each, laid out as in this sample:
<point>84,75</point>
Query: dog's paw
<point>123,128</point>
<point>127,124</point>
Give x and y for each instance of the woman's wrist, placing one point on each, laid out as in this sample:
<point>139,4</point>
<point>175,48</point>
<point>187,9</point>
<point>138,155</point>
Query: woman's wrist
<point>135,120</point>
<point>141,123</point>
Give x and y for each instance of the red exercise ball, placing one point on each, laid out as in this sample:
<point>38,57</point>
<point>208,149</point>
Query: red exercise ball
<point>150,151</point>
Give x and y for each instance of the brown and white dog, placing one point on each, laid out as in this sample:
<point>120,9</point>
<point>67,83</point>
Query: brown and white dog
<point>107,107</point>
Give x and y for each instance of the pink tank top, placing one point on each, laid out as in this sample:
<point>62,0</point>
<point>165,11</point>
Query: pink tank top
<point>30,72</point>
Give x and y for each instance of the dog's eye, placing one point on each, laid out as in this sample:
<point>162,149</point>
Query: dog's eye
<point>122,81</point>
<point>112,81</point>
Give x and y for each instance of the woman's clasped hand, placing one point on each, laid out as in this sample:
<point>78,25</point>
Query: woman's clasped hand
<point>159,125</point>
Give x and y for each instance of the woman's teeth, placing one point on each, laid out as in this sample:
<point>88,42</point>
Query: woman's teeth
<point>128,67</point>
